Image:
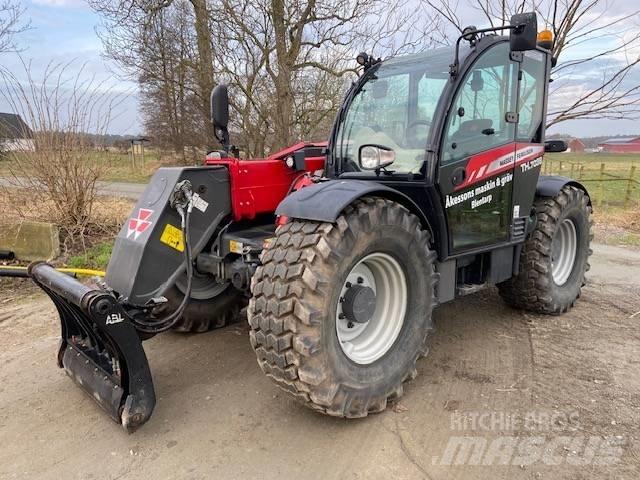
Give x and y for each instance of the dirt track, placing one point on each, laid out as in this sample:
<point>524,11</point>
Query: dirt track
<point>111,189</point>
<point>494,375</point>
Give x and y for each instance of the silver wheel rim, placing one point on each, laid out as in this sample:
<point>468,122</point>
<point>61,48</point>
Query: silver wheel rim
<point>364,343</point>
<point>563,251</point>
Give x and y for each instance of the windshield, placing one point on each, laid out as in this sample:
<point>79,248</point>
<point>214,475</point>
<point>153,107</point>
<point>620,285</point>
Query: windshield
<point>395,108</point>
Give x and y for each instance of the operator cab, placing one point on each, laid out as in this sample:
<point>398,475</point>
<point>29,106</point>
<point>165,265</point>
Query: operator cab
<point>398,104</point>
<point>454,129</point>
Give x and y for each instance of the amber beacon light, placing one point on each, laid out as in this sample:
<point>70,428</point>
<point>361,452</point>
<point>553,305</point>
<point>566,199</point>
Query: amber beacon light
<point>545,39</point>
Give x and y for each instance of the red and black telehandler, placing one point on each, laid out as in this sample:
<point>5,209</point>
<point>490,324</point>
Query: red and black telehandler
<point>428,189</point>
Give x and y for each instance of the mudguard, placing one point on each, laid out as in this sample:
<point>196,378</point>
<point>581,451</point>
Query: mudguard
<point>550,185</point>
<point>324,201</point>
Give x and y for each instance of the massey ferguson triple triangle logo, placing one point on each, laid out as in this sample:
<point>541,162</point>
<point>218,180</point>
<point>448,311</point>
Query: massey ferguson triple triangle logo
<point>139,224</point>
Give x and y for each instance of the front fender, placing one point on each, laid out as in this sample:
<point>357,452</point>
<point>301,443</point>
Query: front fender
<point>324,201</point>
<point>550,185</point>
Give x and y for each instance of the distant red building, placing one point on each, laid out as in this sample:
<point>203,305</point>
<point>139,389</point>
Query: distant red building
<point>620,145</point>
<point>576,146</point>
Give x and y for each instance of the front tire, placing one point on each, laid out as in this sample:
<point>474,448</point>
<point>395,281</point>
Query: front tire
<point>295,311</point>
<point>555,257</point>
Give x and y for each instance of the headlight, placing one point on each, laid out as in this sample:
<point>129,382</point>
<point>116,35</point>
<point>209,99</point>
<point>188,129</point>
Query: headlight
<point>373,157</point>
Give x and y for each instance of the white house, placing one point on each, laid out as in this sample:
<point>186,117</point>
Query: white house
<point>15,134</point>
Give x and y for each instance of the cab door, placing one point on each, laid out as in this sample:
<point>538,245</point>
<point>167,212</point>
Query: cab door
<point>477,156</point>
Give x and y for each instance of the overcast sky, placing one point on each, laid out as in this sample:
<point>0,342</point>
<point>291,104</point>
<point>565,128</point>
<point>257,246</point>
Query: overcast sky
<point>62,30</point>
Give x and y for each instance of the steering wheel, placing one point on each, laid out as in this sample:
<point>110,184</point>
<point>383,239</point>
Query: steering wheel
<point>418,122</point>
<point>411,132</point>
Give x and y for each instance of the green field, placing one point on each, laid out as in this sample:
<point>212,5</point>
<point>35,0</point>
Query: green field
<point>119,167</point>
<point>116,166</point>
<point>613,180</point>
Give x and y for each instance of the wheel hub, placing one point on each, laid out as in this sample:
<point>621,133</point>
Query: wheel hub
<point>372,306</point>
<point>359,303</point>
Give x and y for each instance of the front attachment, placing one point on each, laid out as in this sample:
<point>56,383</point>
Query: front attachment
<point>100,349</point>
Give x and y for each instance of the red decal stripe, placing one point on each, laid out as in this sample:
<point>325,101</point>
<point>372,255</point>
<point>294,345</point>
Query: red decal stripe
<point>498,160</point>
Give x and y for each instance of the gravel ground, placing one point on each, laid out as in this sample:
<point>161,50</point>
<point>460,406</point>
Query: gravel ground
<point>533,397</point>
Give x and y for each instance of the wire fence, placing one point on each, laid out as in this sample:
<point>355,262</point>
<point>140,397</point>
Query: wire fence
<point>612,184</point>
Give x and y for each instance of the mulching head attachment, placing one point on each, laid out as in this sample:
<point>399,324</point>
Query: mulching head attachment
<point>100,349</point>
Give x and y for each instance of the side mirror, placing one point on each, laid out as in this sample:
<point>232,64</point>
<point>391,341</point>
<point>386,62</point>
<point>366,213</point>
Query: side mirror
<point>555,146</point>
<point>374,157</point>
<point>379,89</point>
<point>477,82</point>
<point>525,34</point>
<point>220,106</point>
<point>220,113</point>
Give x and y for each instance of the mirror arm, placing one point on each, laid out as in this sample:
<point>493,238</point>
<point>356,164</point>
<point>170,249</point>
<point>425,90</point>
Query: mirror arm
<point>453,68</point>
<point>222,135</point>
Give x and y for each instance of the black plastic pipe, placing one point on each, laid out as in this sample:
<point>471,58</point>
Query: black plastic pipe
<point>7,255</point>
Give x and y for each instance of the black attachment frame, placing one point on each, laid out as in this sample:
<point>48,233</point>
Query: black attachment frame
<point>100,349</point>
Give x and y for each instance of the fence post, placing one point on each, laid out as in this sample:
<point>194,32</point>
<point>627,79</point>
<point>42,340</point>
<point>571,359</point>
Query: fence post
<point>601,199</point>
<point>627,197</point>
<point>581,172</point>
<point>561,167</point>
<point>572,167</point>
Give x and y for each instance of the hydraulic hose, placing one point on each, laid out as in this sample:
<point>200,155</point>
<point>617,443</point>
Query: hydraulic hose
<point>183,203</point>
<point>165,323</point>
<point>15,271</point>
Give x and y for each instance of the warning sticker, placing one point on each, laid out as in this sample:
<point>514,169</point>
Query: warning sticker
<point>200,203</point>
<point>172,236</point>
<point>235,247</point>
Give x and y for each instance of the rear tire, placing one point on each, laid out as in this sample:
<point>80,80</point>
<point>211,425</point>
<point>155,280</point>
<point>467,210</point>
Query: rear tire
<point>295,308</point>
<point>555,257</point>
<point>202,315</point>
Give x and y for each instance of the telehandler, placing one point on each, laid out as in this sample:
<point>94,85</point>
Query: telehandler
<point>428,189</point>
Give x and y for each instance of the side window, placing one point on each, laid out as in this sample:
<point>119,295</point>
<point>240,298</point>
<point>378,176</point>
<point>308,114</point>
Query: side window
<point>429,93</point>
<point>477,120</point>
<point>531,101</point>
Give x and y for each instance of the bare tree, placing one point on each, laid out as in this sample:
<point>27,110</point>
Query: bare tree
<point>66,115</point>
<point>171,105</point>
<point>288,61</point>
<point>11,23</point>
<point>596,47</point>
<point>132,29</point>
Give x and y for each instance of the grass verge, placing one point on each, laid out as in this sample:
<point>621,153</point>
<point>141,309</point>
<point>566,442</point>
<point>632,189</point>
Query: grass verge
<point>95,257</point>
